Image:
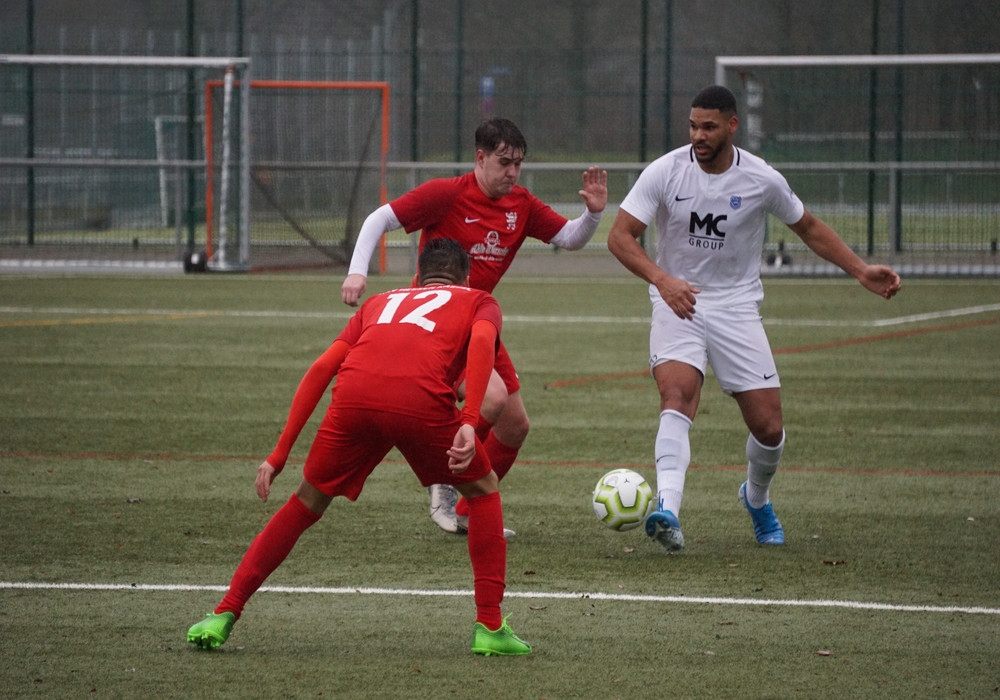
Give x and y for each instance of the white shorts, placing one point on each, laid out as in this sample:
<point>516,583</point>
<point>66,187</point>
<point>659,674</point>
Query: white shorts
<point>730,338</point>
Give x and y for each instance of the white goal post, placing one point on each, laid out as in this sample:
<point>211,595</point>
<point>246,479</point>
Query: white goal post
<point>724,62</point>
<point>903,148</point>
<point>742,63</point>
<point>45,153</point>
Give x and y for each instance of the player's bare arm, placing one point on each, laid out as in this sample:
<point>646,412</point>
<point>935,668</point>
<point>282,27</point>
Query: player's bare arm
<point>881,280</point>
<point>623,242</point>
<point>463,449</point>
<point>265,477</point>
<point>825,242</point>
<point>353,289</point>
<point>679,295</point>
<point>595,189</point>
<point>310,390</point>
<point>578,232</point>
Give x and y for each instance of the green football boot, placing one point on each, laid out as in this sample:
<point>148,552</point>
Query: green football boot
<point>502,642</point>
<point>213,631</point>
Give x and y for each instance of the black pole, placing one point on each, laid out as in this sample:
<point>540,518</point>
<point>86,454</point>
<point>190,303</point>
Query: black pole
<point>668,56</point>
<point>459,70</point>
<point>30,130</point>
<point>415,81</point>
<point>237,116</point>
<point>898,233</point>
<point>872,135</point>
<point>239,28</point>
<point>643,80</point>
<point>191,124</point>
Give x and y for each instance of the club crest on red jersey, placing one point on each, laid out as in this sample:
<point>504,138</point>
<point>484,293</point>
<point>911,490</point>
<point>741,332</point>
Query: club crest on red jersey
<point>490,247</point>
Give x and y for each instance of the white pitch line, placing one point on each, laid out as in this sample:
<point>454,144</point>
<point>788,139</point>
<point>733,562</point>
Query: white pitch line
<point>234,313</point>
<point>532,318</point>
<point>508,318</point>
<point>537,595</point>
<point>898,320</point>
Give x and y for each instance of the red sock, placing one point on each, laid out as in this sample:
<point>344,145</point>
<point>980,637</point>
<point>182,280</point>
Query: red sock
<point>483,429</point>
<point>501,456</point>
<point>266,552</point>
<point>488,552</point>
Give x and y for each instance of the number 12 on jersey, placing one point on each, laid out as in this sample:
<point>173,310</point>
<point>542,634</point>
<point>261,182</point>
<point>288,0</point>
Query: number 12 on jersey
<point>436,299</point>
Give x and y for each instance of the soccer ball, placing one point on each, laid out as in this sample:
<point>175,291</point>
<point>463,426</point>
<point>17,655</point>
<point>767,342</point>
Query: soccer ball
<point>622,499</point>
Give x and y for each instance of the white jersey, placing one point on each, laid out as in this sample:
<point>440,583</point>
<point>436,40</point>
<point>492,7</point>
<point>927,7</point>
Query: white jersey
<point>711,227</point>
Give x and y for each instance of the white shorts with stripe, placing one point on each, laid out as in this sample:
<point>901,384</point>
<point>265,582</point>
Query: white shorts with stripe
<point>726,333</point>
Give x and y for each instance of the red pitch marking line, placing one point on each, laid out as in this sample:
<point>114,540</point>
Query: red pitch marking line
<point>107,319</point>
<point>538,595</point>
<point>743,468</point>
<point>109,455</point>
<point>800,348</point>
<point>524,462</point>
<point>599,378</point>
<point>887,336</point>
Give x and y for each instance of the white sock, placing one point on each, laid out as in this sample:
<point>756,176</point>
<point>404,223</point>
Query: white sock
<point>673,455</point>
<point>762,463</point>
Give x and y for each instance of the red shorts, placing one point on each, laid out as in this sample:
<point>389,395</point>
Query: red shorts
<point>351,442</point>
<point>505,368</point>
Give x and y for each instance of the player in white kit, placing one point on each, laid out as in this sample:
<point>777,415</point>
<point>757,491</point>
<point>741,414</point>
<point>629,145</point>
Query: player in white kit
<point>710,203</point>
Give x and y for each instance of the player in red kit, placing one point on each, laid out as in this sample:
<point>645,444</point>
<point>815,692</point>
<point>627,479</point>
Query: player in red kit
<point>490,215</point>
<point>396,365</point>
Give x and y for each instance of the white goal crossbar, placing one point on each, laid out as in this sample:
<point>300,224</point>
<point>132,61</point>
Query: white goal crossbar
<point>151,61</point>
<point>724,62</point>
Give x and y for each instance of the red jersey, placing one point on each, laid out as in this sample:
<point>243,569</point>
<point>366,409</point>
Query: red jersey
<point>409,347</point>
<point>490,230</point>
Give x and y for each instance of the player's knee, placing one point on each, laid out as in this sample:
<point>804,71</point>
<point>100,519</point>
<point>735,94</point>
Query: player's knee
<point>494,402</point>
<point>769,434</point>
<point>512,428</point>
<point>481,487</point>
<point>523,427</point>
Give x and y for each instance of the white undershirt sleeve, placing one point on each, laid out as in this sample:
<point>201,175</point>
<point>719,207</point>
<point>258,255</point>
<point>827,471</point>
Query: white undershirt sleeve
<point>576,233</point>
<point>375,226</point>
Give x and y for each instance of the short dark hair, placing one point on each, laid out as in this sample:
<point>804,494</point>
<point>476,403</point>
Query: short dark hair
<point>493,132</point>
<point>715,97</point>
<point>443,258</point>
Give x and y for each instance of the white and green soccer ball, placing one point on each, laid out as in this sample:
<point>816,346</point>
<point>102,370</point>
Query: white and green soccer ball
<point>622,499</point>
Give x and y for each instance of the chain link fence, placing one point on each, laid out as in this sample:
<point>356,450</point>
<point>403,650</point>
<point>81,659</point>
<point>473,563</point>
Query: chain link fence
<point>588,84</point>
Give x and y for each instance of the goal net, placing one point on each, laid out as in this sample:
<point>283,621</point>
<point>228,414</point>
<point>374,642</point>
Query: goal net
<point>901,154</point>
<point>317,168</point>
<point>102,159</point>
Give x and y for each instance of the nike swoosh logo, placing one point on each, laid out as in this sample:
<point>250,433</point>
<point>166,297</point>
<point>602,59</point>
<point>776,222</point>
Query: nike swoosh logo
<point>470,221</point>
<point>683,199</point>
<point>768,376</point>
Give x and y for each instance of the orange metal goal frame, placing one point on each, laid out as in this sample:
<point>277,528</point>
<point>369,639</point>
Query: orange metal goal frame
<point>382,87</point>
